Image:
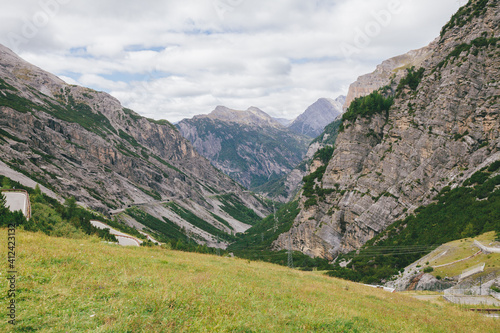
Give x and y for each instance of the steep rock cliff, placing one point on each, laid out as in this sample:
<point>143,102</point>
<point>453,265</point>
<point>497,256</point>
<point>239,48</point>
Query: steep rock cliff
<point>389,70</point>
<point>83,143</point>
<point>436,135</point>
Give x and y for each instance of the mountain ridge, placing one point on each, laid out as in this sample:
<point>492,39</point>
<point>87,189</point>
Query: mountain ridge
<point>249,146</point>
<point>83,143</point>
<point>441,127</point>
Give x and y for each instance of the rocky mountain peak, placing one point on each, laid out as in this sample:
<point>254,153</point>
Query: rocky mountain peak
<point>252,116</point>
<point>317,116</point>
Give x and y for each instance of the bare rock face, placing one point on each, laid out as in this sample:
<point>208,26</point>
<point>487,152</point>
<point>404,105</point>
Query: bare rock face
<point>384,167</point>
<point>389,70</point>
<point>84,143</point>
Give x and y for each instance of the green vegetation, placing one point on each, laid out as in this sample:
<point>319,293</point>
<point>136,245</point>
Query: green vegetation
<point>162,122</point>
<point>88,286</point>
<point>221,220</point>
<point>476,44</point>
<point>313,186</point>
<point>312,182</point>
<point>196,221</point>
<point>168,232</point>
<point>235,208</point>
<point>255,243</point>
<point>164,230</point>
<point>16,102</point>
<point>128,138</point>
<point>135,116</point>
<point>6,134</point>
<point>462,254</point>
<point>5,86</point>
<point>324,154</point>
<point>367,106</point>
<point>274,187</point>
<point>66,108</point>
<point>330,133</point>
<point>151,192</point>
<point>464,15</point>
<point>162,161</point>
<point>51,217</point>
<point>79,113</point>
<point>465,211</point>
<point>411,80</point>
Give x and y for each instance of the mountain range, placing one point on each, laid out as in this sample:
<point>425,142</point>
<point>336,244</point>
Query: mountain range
<point>421,125</point>
<point>249,146</point>
<point>79,142</point>
<point>255,149</point>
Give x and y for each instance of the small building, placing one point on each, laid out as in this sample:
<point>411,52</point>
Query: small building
<point>18,200</point>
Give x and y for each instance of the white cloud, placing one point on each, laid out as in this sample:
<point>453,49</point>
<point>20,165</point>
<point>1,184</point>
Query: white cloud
<point>173,59</point>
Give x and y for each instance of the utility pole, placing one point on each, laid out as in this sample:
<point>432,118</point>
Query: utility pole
<point>217,249</point>
<point>290,253</point>
<point>275,221</point>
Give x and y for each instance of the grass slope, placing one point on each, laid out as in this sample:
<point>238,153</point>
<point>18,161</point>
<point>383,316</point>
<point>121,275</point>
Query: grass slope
<point>85,285</point>
<point>451,253</point>
<point>466,211</point>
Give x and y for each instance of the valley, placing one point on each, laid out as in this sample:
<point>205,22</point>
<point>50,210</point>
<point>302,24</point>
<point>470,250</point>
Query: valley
<point>239,221</point>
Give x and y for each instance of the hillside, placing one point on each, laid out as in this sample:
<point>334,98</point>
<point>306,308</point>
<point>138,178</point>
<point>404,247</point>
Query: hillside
<point>79,142</point>
<point>285,189</point>
<point>448,261</point>
<point>89,286</point>
<point>249,146</point>
<point>402,145</point>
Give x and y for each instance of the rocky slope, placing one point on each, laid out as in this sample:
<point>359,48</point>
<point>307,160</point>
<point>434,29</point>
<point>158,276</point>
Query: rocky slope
<point>286,188</point>
<point>249,146</point>
<point>389,70</point>
<point>83,143</point>
<point>317,116</point>
<point>436,134</point>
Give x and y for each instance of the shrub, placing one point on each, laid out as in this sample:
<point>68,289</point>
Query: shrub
<point>428,269</point>
<point>367,106</point>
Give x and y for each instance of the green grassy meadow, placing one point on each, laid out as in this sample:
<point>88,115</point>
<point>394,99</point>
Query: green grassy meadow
<point>86,285</point>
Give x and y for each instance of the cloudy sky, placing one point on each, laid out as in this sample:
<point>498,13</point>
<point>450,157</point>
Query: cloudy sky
<point>172,59</point>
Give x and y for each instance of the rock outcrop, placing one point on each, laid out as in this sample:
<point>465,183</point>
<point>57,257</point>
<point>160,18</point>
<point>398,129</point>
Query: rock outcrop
<point>389,70</point>
<point>387,165</point>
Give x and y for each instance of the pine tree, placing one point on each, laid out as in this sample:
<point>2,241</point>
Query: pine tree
<point>3,204</point>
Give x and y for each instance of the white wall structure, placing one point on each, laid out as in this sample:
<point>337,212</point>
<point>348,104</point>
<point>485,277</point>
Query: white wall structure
<point>487,248</point>
<point>18,200</point>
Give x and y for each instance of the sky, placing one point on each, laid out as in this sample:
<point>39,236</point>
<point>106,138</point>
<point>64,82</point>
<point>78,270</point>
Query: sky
<point>171,60</point>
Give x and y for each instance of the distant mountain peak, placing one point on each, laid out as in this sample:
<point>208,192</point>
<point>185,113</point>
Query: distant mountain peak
<point>252,116</point>
<point>317,116</point>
